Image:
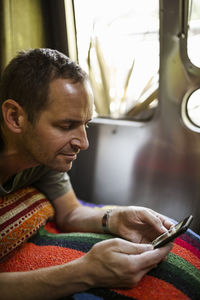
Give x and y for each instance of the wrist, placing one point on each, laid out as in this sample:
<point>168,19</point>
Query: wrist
<point>79,275</point>
<point>105,221</point>
<point>112,220</point>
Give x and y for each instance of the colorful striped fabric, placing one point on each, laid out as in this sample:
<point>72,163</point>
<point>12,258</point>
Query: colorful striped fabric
<point>176,278</point>
<point>21,215</point>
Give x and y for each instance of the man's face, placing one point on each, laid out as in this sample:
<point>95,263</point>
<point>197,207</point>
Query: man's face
<point>60,132</point>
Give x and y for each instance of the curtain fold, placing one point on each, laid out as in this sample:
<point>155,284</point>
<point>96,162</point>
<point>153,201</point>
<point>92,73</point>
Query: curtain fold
<point>28,24</point>
<point>21,27</point>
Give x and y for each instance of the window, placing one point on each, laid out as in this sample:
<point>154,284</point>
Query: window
<point>193,108</point>
<point>191,102</point>
<point>118,46</point>
<point>194,32</point>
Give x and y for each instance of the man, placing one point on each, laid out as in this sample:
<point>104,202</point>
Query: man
<point>46,104</point>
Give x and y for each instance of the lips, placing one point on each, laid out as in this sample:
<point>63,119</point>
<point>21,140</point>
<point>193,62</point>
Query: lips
<point>70,156</point>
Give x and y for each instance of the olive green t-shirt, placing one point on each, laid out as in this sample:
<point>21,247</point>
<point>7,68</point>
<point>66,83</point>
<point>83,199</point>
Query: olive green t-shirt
<point>52,184</point>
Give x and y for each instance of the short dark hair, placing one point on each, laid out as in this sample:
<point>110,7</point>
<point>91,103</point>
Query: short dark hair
<point>27,77</point>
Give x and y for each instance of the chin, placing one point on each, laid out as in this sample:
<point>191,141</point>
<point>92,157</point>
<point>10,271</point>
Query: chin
<point>65,167</point>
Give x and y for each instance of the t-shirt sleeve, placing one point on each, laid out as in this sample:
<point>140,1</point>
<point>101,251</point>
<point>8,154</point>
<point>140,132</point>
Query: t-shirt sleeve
<point>53,184</point>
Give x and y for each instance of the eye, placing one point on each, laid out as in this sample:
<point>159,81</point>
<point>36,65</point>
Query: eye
<point>66,127</point>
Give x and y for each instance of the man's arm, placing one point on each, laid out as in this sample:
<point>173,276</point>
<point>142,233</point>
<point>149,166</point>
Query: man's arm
<point>110,263</point>
<point>136,224</point>
<point>47,283</point>
<point>72,216</point>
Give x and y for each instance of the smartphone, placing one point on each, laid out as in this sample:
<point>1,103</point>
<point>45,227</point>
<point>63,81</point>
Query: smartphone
<point>172,233</point>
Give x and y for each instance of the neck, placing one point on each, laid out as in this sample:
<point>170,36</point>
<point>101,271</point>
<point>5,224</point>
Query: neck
<point>11,163</point>
<point>12,157</point>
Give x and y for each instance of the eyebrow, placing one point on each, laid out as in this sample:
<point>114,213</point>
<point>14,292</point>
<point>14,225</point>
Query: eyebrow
<point>73,121</point>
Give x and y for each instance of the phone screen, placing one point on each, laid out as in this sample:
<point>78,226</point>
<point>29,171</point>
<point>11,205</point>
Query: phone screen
<point>172,233</point>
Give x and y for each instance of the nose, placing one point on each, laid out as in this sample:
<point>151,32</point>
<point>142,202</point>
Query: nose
<point>80,140</point>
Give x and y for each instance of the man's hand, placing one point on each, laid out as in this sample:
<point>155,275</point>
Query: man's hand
<point>137,224</point>
<point>119,263</point>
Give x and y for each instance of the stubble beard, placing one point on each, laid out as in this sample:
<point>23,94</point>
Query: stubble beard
<point>34,154</point>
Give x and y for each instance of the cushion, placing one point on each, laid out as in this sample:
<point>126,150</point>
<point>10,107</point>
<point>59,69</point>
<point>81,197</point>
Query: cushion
<point>22,213</point>
<point>178,277</point>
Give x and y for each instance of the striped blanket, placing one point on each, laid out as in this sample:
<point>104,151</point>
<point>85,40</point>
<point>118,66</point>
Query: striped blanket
<point>176,278</point>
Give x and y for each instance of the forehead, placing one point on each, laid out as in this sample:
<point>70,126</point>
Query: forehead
<point>70,100</point>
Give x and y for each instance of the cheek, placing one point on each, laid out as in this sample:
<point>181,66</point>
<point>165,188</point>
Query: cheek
<point>54,139</point>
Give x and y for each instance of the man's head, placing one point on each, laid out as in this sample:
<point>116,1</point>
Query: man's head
<point>46,104</point>
<point>26,78</point>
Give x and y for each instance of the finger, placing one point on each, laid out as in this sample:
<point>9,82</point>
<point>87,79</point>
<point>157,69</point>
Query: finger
<point>165,221</point>
<point>143,272</point>
<point>150,217</point>
<point>126,247</point>
<point>151,258</point>
<point>158,221</point>
<point>137,276</point>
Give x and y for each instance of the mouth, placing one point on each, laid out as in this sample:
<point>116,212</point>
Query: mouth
<point>70,156</point>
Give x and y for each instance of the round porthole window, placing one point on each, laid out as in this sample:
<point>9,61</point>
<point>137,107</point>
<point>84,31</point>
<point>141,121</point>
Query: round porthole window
<point>191,111</point>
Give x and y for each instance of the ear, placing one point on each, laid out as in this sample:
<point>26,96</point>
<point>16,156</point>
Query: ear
<point>14,115</point>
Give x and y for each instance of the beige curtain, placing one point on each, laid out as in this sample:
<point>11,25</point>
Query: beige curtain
<point>21,27</point>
